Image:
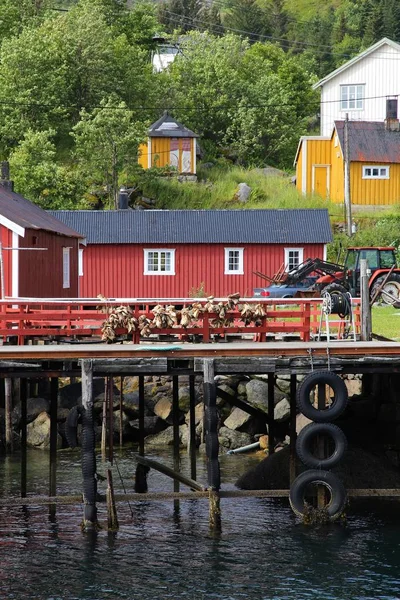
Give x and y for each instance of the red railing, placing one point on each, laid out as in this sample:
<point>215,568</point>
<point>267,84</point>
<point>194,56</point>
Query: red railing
<point>28,319</point>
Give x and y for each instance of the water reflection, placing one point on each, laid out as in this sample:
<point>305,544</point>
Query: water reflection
<point>162,552</point>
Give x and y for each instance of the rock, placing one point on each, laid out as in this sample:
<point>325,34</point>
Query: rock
<point>184,398</point>
<point>354,385</point>
<point>152,425</point>
<point>282,410</point>
<point>162,439</point>
<point>126,427</point>
<point>163,409</point>
<point>184,435</point>
<point>206,165</point>
<point>198,414</point>
<point>227,389</point>
<point>242,193</point>
<point>241,388</point>
<point>38,432</point>
<point>301,422</point>
<point>236,419</point>
<point>263,439</point>
<point>257,394</point>
<point>228,438</point>
<point>131,404</point>
<point>69,395</point>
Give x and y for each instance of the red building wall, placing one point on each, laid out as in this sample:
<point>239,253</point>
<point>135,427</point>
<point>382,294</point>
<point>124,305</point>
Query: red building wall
<point>116,271</point>
<point>41,271</point>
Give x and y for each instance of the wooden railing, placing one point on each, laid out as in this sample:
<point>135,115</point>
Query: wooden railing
<point>24,320</point>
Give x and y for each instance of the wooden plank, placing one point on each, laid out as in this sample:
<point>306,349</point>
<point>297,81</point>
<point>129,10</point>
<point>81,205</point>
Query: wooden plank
<point>242,364</point>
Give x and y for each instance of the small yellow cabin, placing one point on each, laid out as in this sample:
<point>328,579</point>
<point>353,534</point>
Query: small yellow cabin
<point>374,153</point>
<point>169,143</point>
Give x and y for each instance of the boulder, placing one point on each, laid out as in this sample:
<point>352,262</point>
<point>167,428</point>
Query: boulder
<point>198,414</point>
<point>184,398</point>
<point>230,439</point>
<point>301,422</point>
<point>242,193</point>
<point>69,395</point>
<point>163,409</point>
<point>38,432</point>
<point>236,419</point>
<point>282,410</point>
<point>257,394</point>
<point>162,439</point>
<point>152,425</point>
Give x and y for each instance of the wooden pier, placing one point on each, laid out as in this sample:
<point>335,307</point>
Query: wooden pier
<point>53,361</point>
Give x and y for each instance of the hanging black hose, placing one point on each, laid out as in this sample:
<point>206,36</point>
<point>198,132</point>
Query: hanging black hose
<point>340,304</point>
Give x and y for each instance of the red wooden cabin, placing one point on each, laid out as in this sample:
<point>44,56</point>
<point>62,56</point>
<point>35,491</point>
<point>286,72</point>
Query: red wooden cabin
<point>176,254</point>
<point>39,253</point>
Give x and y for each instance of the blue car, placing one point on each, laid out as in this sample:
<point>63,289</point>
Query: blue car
<point>285,291</point>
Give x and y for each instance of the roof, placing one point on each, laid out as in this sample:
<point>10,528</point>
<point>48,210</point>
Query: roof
<point>370,141</point>
<point>299,226</point>
<point>356,59</point>
<point>17,213</point>
<point>167,126</point>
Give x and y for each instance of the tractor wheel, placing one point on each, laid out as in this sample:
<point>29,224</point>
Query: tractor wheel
<point>390,293</point>
<point>335,288</point>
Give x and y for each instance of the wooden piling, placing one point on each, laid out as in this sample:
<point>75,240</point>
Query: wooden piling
<point>192,426</point>
<point>110,419</point>
<point>121,408</point>
<point>212,443</point>
<point>292,430</point>
<point>53,442</point>
<point>8,413</point>
<point>271,409</point>
<point>175,426</point>
<point>104,423</point>
<point>23,392</point>
<point>112,517</point>
<point>141,415</point>
<point>88,449</point>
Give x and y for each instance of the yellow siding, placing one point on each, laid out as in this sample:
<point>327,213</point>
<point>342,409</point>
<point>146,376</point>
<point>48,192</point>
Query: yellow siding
<point>374,191</point>
<point>318,153</point>
<point>299,166</point>
<point>337,173</point>
<point>160,149</point>
<point>143,156</point>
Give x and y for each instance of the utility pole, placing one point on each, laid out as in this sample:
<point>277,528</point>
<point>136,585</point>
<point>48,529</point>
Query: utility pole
<point>347,197</point>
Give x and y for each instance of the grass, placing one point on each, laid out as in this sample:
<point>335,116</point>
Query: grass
<point>386,322</point>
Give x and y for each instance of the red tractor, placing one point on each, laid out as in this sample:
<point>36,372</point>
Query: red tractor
<point>384,280</point>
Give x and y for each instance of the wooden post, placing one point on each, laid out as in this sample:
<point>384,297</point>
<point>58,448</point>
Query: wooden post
<point>112,517</point>
<point>53,443</point>
<point>212,443</point>
<point>192,426</point>
<point>271,409</point>
<point>175,425</point>
<point>8,413</point>
<point>121,407</point>
<point>104,422</point>
<point>110,419</point>
<point>88,449</point>
<point>293,412</point>
<point>24,392</point>
<point>347,189</point>
<point>366,322</point>
<point>141,415</point>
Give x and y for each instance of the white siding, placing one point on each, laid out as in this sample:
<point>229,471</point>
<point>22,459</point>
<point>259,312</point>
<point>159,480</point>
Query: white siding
<point>379,72</point>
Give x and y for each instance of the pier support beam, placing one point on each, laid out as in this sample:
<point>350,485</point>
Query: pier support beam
<point>23,394</point>
<point>7,413</point>
<point>212,443</point>
<point>53,443</point>
<point>88,449</point>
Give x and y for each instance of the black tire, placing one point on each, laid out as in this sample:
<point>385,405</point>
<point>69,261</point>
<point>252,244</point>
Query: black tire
<point>305,443</point>
<point>390,293</point>
<point>71,426</point>
<point>337,491</point>
<point>335,288</point>
<point>339,402</point>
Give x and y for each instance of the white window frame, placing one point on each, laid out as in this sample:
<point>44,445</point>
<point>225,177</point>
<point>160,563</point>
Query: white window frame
<point>287,252</point>
<point>80,262</point>
<point>240,269</point>
<point>147,252</point>
<point>386,175</point>
<point>66,267</point>
<point>357,91</point>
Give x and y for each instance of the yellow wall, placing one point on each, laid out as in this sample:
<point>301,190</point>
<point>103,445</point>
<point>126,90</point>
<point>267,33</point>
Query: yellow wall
<point>374,191</point>
<point>318,153</point>
<point>160,153</point>
<point>143,156</point>
<point>337,173</point>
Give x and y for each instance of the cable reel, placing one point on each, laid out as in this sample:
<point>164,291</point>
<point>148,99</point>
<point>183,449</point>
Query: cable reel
<point>338,303</point>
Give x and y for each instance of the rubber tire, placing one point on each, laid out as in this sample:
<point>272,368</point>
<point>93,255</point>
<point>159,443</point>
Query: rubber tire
<point>338,405</point>
<point>394,278</point>
<point>335,288</point>
<point>307,436</point>
<point>328,479</point>
<point>71,426</point>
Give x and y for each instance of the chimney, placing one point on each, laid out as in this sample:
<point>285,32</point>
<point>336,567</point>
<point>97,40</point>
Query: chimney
<point>391,121</point>
<point>5,176</point>
<point>123,199</point>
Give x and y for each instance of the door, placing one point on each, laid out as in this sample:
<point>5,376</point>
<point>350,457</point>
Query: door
<point>320,180</point>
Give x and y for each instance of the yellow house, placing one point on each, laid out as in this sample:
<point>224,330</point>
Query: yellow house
<point>169,143</point>
<point>374,152</point>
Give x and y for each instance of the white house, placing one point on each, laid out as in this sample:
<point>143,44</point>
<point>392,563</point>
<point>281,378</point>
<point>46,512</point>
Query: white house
<point>366,87</point>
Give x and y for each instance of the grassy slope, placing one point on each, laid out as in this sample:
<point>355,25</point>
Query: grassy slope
<point>386,322</point>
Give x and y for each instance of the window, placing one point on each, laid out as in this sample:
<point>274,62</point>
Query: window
<point>375,172</point>
<point>293,258</point>
<point>352,97</point>
<point>80,262</point>
<point>66,268</point>
<point>159,262</point>
<point>234,261</point>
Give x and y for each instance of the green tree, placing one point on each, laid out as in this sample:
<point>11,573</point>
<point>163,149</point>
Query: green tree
<point>107,141</point>
<point>37,175</point>
<point>246,15</point>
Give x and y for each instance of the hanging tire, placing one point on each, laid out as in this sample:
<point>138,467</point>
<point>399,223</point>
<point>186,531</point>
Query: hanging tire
<point>305,443</point>
<point>71,426</point>
<point>339,401</point>
<point>390,293</point>
<point>335,487</point>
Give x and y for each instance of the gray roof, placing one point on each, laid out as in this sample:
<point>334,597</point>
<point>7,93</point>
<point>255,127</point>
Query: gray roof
<point>24,213</point>
<point>299,226</point>
<point>167,126</point>
<point>370,141</point>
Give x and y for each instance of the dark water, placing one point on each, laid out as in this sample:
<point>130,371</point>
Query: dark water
<point>160,553</point>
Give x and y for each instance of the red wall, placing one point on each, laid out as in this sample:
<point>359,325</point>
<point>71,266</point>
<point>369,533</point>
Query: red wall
<point>116,271</point>
<point>6,241</point>
<point>41,271</point>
